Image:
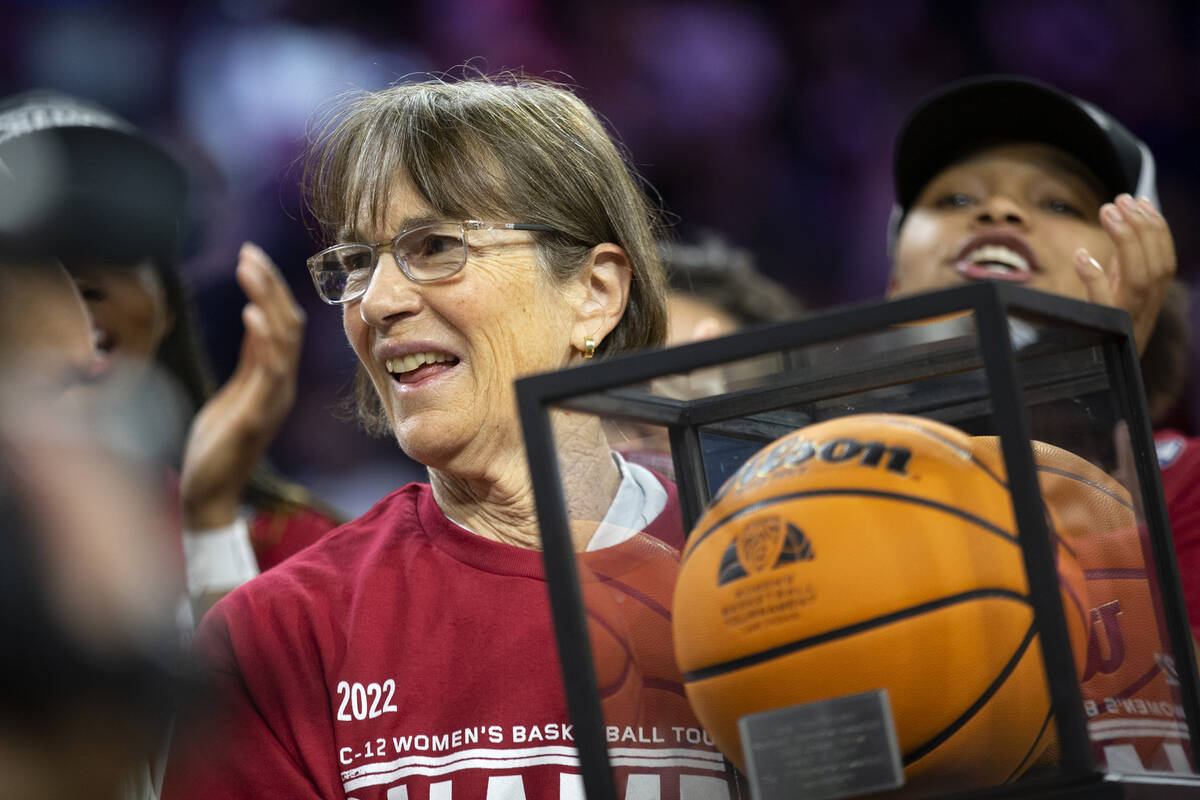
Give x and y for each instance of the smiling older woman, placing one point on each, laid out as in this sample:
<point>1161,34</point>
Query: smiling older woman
<point>479,231</point>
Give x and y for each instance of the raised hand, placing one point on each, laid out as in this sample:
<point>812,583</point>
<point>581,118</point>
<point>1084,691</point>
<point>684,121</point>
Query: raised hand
<point>232,431</point>
<point>1142,267</point>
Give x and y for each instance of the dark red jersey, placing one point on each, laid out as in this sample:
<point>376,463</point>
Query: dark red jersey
<point>405,657</point>
<point>1179,464</point>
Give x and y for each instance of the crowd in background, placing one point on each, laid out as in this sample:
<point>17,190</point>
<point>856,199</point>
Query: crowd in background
<point>769,122</point>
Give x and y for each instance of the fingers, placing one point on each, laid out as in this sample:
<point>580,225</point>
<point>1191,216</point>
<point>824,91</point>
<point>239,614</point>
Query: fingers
<point>1145,260</point>
<point>267,289</point>
<point>274,321</point>
<point>267,366</point>
<point>1095,280</point>
<point>1157,243</point>
<point>1144,246</point>
<point>1120,219</point>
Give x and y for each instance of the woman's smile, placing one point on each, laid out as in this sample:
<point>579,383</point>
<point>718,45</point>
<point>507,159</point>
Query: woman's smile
<point>996,256</point>
<point>419,366</point>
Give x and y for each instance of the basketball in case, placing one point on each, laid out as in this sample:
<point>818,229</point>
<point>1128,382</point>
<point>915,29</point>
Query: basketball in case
<point>627,593</point>
<point>1130,689</point>
<point>866,552</point>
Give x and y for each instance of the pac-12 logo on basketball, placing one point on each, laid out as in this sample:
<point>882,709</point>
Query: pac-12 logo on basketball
<point>764,543</point>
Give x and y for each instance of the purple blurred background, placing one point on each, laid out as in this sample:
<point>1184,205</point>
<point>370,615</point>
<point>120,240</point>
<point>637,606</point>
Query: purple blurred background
<point>770,122</point>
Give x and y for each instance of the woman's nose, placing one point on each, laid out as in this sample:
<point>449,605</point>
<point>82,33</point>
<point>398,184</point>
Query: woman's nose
<point>390,295</point>
<point>1000,209</point>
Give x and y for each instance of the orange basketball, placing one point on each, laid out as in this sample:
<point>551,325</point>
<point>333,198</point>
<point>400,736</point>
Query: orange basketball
<point>627,591</point>
<point>1130,690</point>
<point>867,552</point>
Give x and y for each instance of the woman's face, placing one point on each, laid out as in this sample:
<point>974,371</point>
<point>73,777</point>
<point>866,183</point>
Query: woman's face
<point>129,310</point>
<point>43,321</point>
<point>443,355</point>
<point>1013,212</point>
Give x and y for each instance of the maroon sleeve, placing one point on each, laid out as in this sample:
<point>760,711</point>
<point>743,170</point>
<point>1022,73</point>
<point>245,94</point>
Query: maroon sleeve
<point>1181,489</point>
<point>668,525</point>
<point>277,535</point>
<point>240,740</point>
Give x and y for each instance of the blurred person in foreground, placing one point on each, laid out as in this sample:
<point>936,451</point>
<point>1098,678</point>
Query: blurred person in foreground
<point>1009,179</point>
<point>481,230</point>
<point>87,679</point>
<point>92,191</point>
<point>43,322</point>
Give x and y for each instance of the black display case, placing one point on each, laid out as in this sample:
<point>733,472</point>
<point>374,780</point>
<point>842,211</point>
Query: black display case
<point>991,359</point>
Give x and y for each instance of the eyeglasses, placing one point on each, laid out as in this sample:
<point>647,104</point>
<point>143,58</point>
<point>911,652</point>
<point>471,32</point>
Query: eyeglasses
<point>426,253</point>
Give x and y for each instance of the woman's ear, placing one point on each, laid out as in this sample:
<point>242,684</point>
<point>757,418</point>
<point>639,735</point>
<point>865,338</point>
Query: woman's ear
<point>604,285</point>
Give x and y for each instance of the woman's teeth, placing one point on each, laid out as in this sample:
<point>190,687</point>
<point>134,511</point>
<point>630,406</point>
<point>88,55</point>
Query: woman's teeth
<point>999,258</point>
<point>399,366</point>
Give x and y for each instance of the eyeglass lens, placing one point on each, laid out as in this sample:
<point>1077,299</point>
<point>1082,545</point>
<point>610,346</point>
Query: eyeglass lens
<point>425,254</point>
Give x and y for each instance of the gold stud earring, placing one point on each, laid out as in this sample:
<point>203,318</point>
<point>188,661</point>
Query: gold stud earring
<point>589,347</point>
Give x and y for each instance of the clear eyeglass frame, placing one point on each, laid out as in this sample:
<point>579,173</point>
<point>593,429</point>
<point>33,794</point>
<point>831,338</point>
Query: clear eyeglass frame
<point>332,277</point>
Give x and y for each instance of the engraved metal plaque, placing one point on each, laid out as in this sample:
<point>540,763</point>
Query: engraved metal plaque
<point>841,747</point>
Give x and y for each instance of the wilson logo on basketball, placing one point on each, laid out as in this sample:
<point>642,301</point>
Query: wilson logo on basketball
<point>763,544</point>
<point>791,453</point>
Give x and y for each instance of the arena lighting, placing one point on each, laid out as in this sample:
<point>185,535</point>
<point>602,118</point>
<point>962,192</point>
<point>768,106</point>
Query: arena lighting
<point>252,126</point>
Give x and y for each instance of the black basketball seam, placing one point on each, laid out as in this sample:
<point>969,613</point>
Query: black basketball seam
<point>1135,687</point>
<point>1050,527</point>
<point>1080,479</point>
<point>643,598</point>
<point>1087,482</point>
<point>904,498</point>
<point>663,685</point>
<point>609,689</point>
<point>850,630</point>
<point>1019,770</point>
<point>929,746</point>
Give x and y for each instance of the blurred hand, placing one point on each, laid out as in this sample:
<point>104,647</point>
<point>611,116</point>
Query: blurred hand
<point>232,431</point>
<point>1141,270</point>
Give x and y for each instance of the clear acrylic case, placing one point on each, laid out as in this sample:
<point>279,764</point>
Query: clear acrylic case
<point>1088,689</point>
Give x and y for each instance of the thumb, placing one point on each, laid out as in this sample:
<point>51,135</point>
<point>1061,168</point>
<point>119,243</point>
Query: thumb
<point>1099,289</point>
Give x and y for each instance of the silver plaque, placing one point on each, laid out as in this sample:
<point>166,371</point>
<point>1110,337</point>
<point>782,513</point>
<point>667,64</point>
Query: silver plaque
<point>829,749</point>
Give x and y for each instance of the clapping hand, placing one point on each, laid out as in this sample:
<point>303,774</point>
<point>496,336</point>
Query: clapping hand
<point>232,431</point>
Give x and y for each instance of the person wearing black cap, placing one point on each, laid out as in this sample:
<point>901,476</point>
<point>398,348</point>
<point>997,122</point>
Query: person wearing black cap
<point>1010,179</point>
<point>87,188</point>
<point>1086,181</point>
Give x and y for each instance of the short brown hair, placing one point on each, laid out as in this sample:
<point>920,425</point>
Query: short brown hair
<point>505,147</point>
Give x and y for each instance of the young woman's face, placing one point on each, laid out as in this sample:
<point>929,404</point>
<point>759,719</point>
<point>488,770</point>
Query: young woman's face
<point>129,310</point>
<point>1012,212</point>
<point>43,322</point>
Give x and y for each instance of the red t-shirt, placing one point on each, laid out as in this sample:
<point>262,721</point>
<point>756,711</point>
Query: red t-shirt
<point>274,535</point>
<point>405,657</point>
<point>1179,464</point>
<point>279,534</point>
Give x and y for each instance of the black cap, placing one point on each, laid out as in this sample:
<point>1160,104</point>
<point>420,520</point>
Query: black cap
<point>969,114</point>
<point>77,181</point>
